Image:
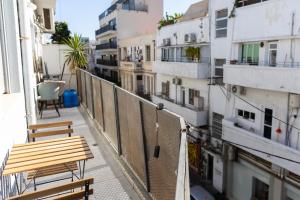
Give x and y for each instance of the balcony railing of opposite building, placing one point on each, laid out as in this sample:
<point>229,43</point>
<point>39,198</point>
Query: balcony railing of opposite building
<point>110,45</point>
<point>107,62</point>
<point>186,60</point>
<point>295,64</point>
<point>125,6</point>
<point>105,29</point>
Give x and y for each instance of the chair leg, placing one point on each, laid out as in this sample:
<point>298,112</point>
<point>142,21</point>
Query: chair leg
<point>42,108</point>
<point>55,105</point>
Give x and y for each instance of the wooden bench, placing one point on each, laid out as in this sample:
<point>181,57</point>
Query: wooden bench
<point>36,131</point>
<point>62,192</point>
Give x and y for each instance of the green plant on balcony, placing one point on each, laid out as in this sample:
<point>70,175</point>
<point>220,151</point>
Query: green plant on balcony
<point>193,53</point>
<point>75,55</point>
<point>169,20</point>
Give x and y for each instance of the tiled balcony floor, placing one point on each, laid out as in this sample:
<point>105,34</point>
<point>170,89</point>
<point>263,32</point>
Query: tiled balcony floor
<point>111,183</point>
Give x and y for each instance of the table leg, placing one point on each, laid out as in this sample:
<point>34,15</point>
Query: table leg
<point>17,185</point>
<point>83,169</point>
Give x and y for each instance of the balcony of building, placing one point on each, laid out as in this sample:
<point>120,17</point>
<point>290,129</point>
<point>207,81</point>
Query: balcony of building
<point>195,115</point>
<point>112,63</point>
<point>278,76</point>
<point>183,67</point>
<point>106,30</point>
<point>124,5</point>
<point>272,150</point>
<point>107,46</point>
<point>131,65</point>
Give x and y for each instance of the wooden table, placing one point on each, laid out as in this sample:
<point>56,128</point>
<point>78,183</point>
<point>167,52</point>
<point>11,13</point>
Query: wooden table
<point>36,155</point>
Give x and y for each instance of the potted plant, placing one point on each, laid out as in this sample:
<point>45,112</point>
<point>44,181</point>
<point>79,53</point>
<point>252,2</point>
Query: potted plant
<point>193,53</point>
<point>75,58</point>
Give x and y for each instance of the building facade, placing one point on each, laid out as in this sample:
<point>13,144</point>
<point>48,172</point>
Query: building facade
<point>22,26</point>
<point>136,60</point>
<point>116,24</point>
<point>257,73</point>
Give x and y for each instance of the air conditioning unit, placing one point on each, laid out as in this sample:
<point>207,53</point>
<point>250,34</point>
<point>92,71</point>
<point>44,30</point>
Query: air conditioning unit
<point>295,100</point>
<point>190,38</point>
<point>239,89</point>
<point>177,81</point>
<point>167,42</point>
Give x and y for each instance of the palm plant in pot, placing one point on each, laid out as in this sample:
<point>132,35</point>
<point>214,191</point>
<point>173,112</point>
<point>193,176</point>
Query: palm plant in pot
<point>76,58</point>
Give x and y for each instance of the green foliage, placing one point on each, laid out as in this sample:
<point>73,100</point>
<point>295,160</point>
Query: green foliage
<point>75,55</point>
<point>169,20</point>
<point>193,53</point>
<point>62,33</point>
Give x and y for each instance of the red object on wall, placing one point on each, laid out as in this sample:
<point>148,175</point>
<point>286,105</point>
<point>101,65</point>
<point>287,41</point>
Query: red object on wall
<point>278,130</point>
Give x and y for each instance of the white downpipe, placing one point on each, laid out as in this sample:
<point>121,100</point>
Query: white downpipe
<point>27,59</point>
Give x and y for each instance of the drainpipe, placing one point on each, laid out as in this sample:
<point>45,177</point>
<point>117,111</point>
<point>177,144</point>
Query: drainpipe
<point>292,39</point>
<point>287,133</point>
<point>27,59</point>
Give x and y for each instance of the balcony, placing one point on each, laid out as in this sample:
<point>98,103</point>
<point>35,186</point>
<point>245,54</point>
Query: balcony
<point>197,117</point>
<point>284,78</point>
<point>106,30</point>
<point>109,45</point>
<point>247,140</point>
<point>183,68</point>
<point>107,62</point>
<point>131,65</point>
<point>124,6</point>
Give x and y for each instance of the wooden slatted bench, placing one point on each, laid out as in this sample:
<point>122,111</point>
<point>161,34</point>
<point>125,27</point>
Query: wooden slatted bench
<point>38,131</point>
<point>64,128</point>
<point>62,192</point>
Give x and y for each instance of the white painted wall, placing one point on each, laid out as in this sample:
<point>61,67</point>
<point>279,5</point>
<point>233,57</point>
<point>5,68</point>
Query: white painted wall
<point>54,58</point>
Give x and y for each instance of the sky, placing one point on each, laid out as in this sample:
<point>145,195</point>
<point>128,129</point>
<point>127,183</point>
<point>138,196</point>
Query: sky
<point>82,17</point>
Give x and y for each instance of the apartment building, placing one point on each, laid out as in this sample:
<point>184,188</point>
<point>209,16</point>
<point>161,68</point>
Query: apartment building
<point>255,57</point>
<point>22,25</point>
<point>137,55</point>
<point>183,65</point>
<point>116,23</point>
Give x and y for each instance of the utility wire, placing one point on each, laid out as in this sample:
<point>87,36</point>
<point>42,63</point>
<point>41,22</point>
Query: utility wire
<point>222,87</point>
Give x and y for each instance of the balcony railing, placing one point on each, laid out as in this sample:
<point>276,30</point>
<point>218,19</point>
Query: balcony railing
<point>242,3</point>
<point>295,64</point>
<point>110,45</point>
<point>105,29</point>
<point>186,59</point>
<point>131,65</point>
<point>107,62</point>
<point>125,6</point>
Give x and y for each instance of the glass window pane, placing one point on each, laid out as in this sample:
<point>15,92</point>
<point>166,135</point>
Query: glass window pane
<point>221,23</point>
<point>256,53</point>
<point>222,13</point>
<point>221,33</point>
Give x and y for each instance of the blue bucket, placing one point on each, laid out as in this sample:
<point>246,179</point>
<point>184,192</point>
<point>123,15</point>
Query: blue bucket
<point>70,99</point>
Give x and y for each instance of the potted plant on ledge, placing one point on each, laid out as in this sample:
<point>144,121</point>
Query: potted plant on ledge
<point>75,58</point>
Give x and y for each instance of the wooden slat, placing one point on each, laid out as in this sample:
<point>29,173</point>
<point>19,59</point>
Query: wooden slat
<point>50,133</point>
<point>50,125</point>
<point>62,149</point>
<point>75,195</point>
<point>53,146</point>
<point>50,154</point>
<point>47,159</point>
<point>53,190</point>
<point>47,141</point>
<point>50,163</point>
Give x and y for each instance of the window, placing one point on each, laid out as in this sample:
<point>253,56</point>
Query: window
<point>241,3</point>
<point>268,121</point>
<point>273,54</point>
<point>221,23</point>
<point>47,18</point>
<point>148,53</point>
<point>164,54</point>
<point>219,67</point>
<point>139,77</point>
<point>246,115</point>
<point>217,125</point>
<point>250,53</point>
<point>192,95</point>
<point>260,190</point>
<point>165,88</point>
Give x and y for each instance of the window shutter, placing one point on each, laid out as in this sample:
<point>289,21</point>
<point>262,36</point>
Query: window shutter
<point>47,18</point>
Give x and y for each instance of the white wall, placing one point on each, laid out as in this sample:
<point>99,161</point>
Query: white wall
<point>54,58</point>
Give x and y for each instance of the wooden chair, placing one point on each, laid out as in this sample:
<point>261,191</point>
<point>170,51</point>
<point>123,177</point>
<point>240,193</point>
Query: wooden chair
<point>38,131</point>
<point>80,190</point>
